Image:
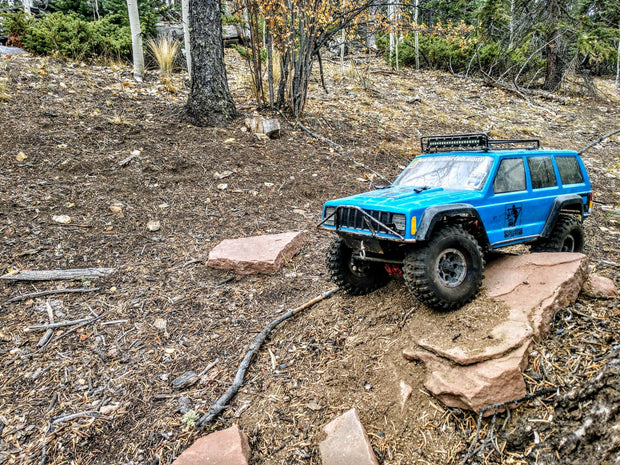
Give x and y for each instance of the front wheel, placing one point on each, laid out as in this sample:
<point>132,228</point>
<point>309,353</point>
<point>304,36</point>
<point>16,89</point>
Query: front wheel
<point>567,236</point>
<point>354,276</point>
<point>446,272</point>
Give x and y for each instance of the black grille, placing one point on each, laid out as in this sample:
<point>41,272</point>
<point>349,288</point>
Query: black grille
<point>354,218</point>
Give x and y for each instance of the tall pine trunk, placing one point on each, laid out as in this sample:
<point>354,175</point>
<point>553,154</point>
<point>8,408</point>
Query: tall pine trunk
<point>618,64</point>
<point>554,48</point>
<point>210,102</point>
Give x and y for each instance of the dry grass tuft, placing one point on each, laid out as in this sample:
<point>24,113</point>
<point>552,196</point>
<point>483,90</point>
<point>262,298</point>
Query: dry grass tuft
<point>165,51</point>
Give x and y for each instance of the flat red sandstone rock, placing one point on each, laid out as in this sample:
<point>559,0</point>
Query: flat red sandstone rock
<point>533,286</point>
<point>347,442</point>
<point>256,254</point>
<point>476,386</point>
<point>225,447</point>
<point>599,287</point>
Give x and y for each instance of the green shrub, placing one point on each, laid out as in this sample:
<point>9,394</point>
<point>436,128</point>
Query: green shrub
<point>67,35</point>
<point>15,25</point>
<point>72,37</point>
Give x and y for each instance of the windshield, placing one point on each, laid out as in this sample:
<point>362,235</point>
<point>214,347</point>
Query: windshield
<point>450,172</point>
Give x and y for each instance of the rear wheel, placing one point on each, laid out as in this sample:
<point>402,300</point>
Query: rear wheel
<point>567,236</point>
<point>357,277</point>
<point>446,272</point>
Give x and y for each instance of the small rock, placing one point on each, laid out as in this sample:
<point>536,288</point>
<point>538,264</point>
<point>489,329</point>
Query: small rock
<point>21,156</point>
<point>62,219</point>
<point>222,175</point>
<point>222,186</point>
<point>185,405</point>
<point>110,408</point>
<point>153,226</point>
<point>118,209</point>
<point>599,287</point>
<point>257,254</point>
<point>405,393</point>
<point>347,442</point>
<point>225,447</point>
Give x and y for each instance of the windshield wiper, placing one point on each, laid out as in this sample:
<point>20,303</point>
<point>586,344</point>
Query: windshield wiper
<point>417,190</point>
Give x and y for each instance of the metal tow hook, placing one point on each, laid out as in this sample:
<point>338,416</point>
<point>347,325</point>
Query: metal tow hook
<point>362,251</point>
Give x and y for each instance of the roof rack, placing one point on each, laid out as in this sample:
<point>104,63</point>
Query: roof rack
<point>432,144</point>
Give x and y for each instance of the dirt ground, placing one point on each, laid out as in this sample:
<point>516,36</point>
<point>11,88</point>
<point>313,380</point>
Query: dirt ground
<point>114,156</point>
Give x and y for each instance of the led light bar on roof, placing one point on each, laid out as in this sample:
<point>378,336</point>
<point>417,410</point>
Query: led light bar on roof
<point>473,141</point>
<point>436,143</point>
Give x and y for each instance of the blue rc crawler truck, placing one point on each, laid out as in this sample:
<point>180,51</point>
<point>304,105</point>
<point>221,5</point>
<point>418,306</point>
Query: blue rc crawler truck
<point>465,195</point>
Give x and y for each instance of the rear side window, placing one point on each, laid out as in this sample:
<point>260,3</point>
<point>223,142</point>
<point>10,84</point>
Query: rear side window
<point>570,173</point>
<point>541,171</point>
<point>510,176</point>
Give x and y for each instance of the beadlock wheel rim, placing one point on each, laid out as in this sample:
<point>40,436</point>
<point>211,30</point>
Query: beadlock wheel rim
<point>569,244</point>
<point>451,267</point>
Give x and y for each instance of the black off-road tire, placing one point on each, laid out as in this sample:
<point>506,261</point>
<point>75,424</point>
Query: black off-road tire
<point>567,236</point>
<point>447,271</point>
<point>355,277</point>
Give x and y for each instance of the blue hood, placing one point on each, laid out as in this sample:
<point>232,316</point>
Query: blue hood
<point>403,199</point>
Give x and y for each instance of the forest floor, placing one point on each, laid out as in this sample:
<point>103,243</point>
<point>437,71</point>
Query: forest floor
<point>90,160</point>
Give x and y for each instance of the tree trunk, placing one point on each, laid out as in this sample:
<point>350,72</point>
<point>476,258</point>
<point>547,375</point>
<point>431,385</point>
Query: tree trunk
<point>136,40</point>
<point>618,64</point>
<point>553,49</point>
<point>416,35</point>
<point>185,19</point>
<point>210,102</point>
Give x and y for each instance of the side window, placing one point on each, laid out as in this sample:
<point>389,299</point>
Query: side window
<point>570,173</point>
<point>541,171</point>
<point>510,176</point>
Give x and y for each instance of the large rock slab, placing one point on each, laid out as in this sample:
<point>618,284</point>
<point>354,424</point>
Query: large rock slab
<point>225,447</point>
<point>535,285</point>
<point>532,287</point>
<point>347,442</point>
<point>476,386</point>
<point>256,254</point>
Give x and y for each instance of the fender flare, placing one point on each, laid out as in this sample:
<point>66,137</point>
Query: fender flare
<point>433,215</point>
<point>562,202</point>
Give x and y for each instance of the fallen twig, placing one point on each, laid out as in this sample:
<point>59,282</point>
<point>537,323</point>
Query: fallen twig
<point>600,139</point>
<point>219,405</point>
<point>75,328</point>
<point>70,290</point>
<point>60,324</point>
<point>50,332</point>
<point>51,275</point>
<point>338,149</point>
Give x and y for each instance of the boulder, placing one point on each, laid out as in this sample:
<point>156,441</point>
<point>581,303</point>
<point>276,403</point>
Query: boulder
<point>533,287</point>
<point>225,447</point>
<point>257,254</point>
<point>12,51</point>
<point>347,442</point>
<point>475,386</point>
